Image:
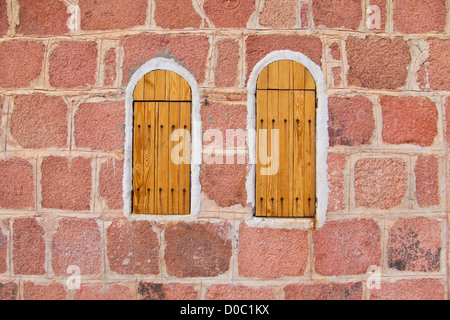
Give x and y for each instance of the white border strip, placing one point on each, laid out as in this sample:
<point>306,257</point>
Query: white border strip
<point>196,139</point>
<point>322,141</point>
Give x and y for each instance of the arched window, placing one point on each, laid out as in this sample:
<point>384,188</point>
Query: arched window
<point>161,144</point>
<point>285,137</point>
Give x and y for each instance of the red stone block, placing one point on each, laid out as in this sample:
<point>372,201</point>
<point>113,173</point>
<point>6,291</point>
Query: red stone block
<point>434,72</point>
<point>77,242</point>
<point>191,51</point>
<point>304,15</point>
<point>111,175</point>
<point>39,121</point>
<point>16,184</point>
<point>28,247</point>
<point>337,14</point>
<point>409,120</point>
<point>110,67</point>
<point>176,14</point>
<point>223,117</point>
<point>258,46</point>
<point>337,80</point>
<point>4,23</point>
<point>73,64</point>
<point>415,245</point>
<point>336,166</point>
<point>347,247</point>
<point>104,292</point>
<point>380,182</point>
<point>229,14</point>
<point>427,181</point>
<point>168,291</point>
<point>20,63</point>
<point>335,51</point>
<point>411,289</point>
<point>377,63</point>
<point>417,16</point>
<point>226,72</point>
<point>272,253</point>
<point>133,247</point>
<point>224,183</point>
<point>197,249</point>
<point>322,291</point>
<point>100,126</point>
<point>9,291</point>
<point>112,14</point>
<point>42,17</point>
<point>44,291</point>
<point>351,121</point>
<point>238,292</point>
<point>278,14</point>
<point>66,183</point>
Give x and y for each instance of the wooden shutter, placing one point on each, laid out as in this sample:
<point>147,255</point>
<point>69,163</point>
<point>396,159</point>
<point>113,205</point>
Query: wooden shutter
<point>286,101</point>
<point>162,104</point>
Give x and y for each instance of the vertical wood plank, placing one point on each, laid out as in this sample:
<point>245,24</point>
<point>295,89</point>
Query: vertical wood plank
<point>161,198</point>
<point>185,168</point>
<point>291,151</point>
<point>299,119</point>
<point>149,158</point>
<point>299,76</point>
<point>309,81</point>
<point>138,157</point>
<point>283,171</point>
<point>149,86</point>
<point>160,85</point>
<point>272,181</point>
<point>138,93</point>
<point>272,80</point>
<point>261,180</point>
<point>174,80</point>
<point>262,79</point>
<point>174,168</point>
<point>309,161</point>
<point>284,74</point>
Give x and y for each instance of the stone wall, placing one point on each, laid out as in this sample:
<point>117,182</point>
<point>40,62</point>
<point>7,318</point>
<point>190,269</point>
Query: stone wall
<point>64,68</point>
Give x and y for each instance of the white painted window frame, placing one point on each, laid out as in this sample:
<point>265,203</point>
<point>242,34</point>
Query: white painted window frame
<point>196,140</point>
<point>322,140</point>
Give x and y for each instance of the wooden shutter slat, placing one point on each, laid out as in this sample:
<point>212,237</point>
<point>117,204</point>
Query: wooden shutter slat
<point>299,76</point>
<point>284,74</point>
<point>272,79</point>
<point>309,81</point>
<point>174,168</point>
<point>160,85</point>
<point>149,158</point>
<point>139,90</point>
<point>309,162</point>
<point>298,151</point>
<point>262,79</point>
<point>185,183</point>
<point>138,166</point>
<point>149,93</point>
<point>283,170</point>
<point>174,86</point>
<point>272,181</point>
<point>261,124</point>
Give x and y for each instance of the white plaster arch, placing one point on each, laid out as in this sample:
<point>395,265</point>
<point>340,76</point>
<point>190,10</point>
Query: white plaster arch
<point>322,140</point>
<point>196,139</point>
